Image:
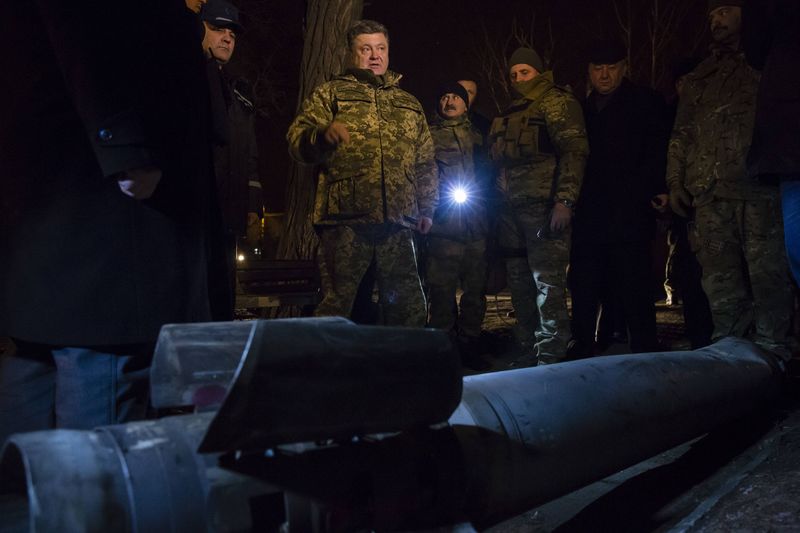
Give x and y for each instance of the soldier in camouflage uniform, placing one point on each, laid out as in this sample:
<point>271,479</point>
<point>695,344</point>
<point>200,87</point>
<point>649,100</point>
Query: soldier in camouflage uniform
<point>540,144</point>
<point>457,243</point>
<point>738,226</point>
<point>377,172</point>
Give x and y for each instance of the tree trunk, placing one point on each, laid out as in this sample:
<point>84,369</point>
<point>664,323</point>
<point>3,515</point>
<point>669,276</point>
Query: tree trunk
<point>324,55</point>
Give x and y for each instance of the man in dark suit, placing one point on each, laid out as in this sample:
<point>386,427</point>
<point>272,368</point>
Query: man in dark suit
<point>614,217</point>
<point>105,193</point>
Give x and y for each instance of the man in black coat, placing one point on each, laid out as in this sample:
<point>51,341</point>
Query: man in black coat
<point>106,161</point>
<point>771,39</point>
<point>235,148</point>
<point>614,217</point>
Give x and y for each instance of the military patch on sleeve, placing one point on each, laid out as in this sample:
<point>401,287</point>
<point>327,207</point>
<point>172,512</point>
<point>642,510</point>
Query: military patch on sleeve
<point>714,246</point>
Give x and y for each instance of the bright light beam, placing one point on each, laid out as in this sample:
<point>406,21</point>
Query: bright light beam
<point>460,195</point>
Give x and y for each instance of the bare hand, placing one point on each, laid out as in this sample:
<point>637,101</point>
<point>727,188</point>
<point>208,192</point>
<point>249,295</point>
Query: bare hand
<point>336,134</point>
<point>680,201</point>
<point>424,225</point>
<point>660,202</point>
<point>502,182</point>
<point>562,215</point>
<point>139,183</point>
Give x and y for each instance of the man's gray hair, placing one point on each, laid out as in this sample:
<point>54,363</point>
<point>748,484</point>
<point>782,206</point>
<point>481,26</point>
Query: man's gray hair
<point>365,26</point>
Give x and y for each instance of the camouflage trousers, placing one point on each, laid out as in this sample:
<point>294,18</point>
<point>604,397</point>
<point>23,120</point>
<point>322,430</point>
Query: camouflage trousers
<point>537,279</point>
<point>745,274</point>
<point>450,264</point>
<point>346,253</point>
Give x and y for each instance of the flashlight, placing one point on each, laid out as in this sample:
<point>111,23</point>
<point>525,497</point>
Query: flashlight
<point>459,195</point>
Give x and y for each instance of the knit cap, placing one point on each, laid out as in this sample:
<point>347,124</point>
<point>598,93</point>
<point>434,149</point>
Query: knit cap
<point>526,56</point>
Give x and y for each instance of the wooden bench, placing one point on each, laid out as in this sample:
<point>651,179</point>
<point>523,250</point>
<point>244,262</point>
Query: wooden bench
<point>276,283</point>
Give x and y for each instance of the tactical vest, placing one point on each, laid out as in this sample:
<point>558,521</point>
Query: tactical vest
<point>520,136</point>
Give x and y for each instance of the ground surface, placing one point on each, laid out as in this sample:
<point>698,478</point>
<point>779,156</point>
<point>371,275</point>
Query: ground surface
<point>498,340</point>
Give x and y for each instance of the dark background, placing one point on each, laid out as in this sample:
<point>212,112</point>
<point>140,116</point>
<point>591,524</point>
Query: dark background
<point>435,41</point>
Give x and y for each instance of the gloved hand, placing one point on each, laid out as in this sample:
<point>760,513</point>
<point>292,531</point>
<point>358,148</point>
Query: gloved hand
<point>680,201</point>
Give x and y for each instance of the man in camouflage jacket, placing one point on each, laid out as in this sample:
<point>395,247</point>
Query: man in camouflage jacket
<point>540,144</point>
<point>738,227</point>
<point>456,248</point>
<point>377,179</point>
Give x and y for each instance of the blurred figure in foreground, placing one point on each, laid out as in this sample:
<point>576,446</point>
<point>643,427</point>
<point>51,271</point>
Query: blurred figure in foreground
<point>105,194</point>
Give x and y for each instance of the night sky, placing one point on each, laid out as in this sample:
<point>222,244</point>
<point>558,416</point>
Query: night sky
<point>434,41</point>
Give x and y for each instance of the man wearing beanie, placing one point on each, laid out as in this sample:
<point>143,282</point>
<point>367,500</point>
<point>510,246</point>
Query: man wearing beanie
<point>376,174</point>
<point>457,246</point>
<point>540,145</point>
<point>738,225</point>
<point>615,216</point>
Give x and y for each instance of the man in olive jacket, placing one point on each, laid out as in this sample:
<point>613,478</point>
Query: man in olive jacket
<point>456,248</point>
<point>739,230</point>
<point>540,145</point>
<point>377,180</point>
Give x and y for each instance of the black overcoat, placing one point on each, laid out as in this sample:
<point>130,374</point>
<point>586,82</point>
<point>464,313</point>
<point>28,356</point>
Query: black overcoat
<point>92,88</point>
<point>236,163</point>
<point>772,44</point>
<point>627,157</point>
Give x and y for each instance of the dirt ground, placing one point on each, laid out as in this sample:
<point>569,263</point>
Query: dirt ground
<point>498,340</point>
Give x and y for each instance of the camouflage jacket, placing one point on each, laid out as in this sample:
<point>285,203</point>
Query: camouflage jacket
<point>713,129</point>
<point>460,160</point>
<point>387,171</point>
<point>540,142</point>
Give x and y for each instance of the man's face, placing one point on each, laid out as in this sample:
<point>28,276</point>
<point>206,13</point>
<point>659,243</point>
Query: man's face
<point>195,5</point>
<point>451,106</point>
<point>606,78</point>
<point>371,51</point>
<point>219,42</point>
<point>472,89</point>
<point>726,23</point>
<point>522,72</point>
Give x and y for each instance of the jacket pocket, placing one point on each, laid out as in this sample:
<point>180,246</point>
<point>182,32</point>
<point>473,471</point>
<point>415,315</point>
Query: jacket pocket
<point>343,198</point>
<point>352,104</point>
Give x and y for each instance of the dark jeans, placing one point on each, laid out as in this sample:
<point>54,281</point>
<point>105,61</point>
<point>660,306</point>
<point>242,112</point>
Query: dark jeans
<point>45,387</point>
<point>790,199</point>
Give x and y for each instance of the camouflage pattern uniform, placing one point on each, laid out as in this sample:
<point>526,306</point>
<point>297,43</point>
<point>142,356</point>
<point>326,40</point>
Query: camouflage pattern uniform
<point>738,227</point>
<point>366,188</point>
<point>540,143</point>
<point>457,244</point>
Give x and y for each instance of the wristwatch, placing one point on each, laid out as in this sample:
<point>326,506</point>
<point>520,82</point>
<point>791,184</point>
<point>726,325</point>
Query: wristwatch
<point>566,203</point>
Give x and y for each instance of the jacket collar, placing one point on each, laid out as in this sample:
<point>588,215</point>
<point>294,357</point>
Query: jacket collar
<point>619,92</point>
<point>439,120</point>
<point>364,75</point>
<point>540,85</point>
